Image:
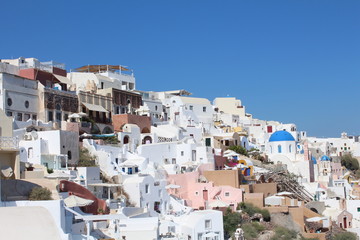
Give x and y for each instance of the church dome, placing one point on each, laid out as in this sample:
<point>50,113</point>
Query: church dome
<point>325,158</point>
<point>281,136</point>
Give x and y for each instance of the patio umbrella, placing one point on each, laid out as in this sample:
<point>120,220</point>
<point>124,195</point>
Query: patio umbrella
<point>74,115</point>
<point>82,114</point>
<point>284,194</point>
<point>75,201</point>
<point>218,203</point>
<point>210,235</point>
<point>315,219</point>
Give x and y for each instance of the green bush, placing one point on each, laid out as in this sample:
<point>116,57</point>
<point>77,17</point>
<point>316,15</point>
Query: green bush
<point>251,210</point>
<point>252,230</point>
<point>239,149</point>
<point>349,162</point>
<point>344,236</point>
<point>40,193</point>
<point>282,233</point>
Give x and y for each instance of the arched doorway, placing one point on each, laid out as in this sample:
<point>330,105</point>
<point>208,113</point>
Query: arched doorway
<point>147,140</point>
<point>107,130</point>
<point>126,139</point>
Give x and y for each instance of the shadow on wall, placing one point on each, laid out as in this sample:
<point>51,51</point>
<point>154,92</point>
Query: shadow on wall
<point>15,190</point>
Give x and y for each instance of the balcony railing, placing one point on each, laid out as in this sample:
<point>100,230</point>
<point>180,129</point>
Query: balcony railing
<point>9,143</point>
<point>44,66</point>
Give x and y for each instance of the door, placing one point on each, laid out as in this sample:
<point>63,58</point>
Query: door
<point>205,194</point>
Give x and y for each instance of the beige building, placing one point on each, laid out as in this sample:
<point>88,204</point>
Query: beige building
<point>230,105</point>
<point>9,149</point>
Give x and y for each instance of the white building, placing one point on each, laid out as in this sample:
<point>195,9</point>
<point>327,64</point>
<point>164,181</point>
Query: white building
<point>19,97</point>
<point>53,149</point>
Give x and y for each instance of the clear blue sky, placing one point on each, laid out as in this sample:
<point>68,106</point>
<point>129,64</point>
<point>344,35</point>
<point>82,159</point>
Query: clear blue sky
<point>292,60</point>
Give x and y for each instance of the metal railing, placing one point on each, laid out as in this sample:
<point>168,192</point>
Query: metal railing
<point>9,143</point>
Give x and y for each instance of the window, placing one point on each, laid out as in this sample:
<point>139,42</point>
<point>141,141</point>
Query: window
<point>34,116</point>
<point>182,153</point>
<point>9,113</point>
<point>19,117</point>
<point>191,107</point>
<point>279,148</point>
<point>26,116</point>
<point>207,224</point>
<point>9,101</point>
<point>290,148</point>
<point>358,209</point>
<point>58,116</point>
<point>50,116</point>
<point>227,194</point>
<point>156,108</point>
<point>204,109</point>
<point>208,142</point>
<point>69,155</point>
<point>173,161</point>
<point>147,188</point>
<point>27,104</point>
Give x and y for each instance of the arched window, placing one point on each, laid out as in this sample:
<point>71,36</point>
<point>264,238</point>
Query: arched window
<point>290,148</point>
<point>270,149</point>
<point>126,139</point>
<point>279,148</point>
<point>69,155</point>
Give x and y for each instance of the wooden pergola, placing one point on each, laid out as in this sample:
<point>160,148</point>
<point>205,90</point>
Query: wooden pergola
<point>101,68</point>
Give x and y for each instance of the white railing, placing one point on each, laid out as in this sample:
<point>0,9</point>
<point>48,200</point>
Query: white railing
<point>9,143</point>
<point>44,66</point>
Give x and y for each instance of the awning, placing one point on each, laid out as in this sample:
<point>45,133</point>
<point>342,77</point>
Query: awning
<point>93,107</point>
<point>63,79</point>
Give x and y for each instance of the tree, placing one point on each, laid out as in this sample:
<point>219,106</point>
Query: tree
<point>86,159</point>
<point>239,149</point>
<point>231,222</point>
<point>350,162</point>
<point>40,193</point>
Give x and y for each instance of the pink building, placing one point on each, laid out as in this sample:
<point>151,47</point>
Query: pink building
<point>200,194</point>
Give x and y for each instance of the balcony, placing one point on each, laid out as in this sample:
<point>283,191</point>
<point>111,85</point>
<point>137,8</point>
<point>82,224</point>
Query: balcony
<point>44,66</point>
<point>9,143</point>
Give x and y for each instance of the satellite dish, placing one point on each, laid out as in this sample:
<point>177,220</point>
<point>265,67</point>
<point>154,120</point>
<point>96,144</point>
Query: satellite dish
<point>7,171</point>
<point>34,134</point>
